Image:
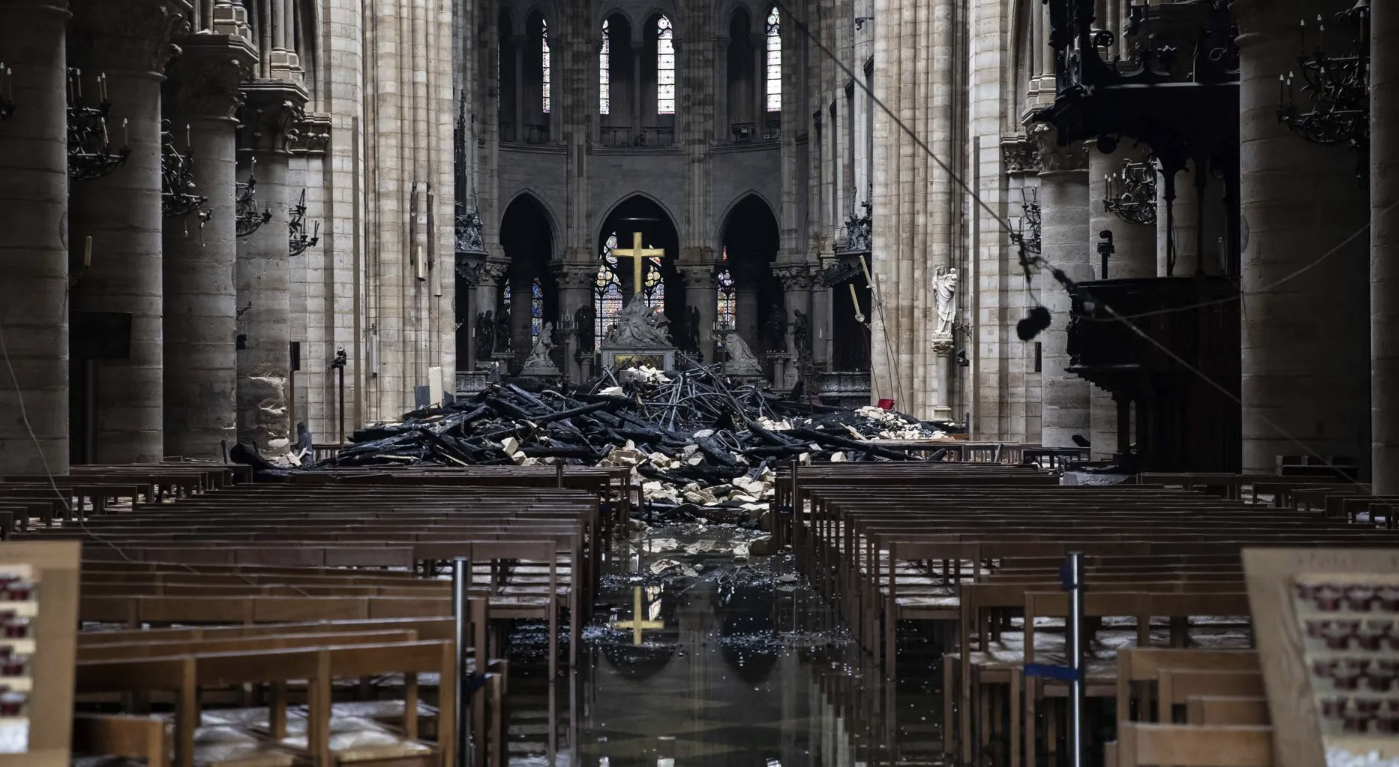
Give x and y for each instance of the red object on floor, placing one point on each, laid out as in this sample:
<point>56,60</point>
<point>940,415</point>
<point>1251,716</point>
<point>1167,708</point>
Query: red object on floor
<point>886,404</point>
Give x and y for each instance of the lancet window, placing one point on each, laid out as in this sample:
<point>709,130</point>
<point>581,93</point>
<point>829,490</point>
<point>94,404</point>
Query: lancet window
<point>665,67</point>
<point>605,71</point>
<point>774,61</point>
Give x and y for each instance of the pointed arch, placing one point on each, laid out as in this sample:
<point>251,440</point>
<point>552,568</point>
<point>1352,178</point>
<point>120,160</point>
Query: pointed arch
<point>727,215</point>
<point>550,215</point>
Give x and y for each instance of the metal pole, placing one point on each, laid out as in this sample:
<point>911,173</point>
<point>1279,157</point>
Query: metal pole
<point>1074,585</point>
<point>460,570</point>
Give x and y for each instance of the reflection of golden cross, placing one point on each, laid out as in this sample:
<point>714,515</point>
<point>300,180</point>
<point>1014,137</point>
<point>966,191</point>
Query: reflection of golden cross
<point>636,624</point>
<point>637,254</point>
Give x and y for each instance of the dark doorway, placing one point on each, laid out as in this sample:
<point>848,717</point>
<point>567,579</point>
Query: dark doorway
<point>750,246</point>
<point>528,294</point>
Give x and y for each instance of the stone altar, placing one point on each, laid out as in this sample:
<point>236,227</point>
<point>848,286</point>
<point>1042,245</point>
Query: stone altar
<point>640,336</point>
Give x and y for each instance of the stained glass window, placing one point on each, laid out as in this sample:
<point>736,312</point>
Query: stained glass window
<point>665,67</point>
<point>604,76</point>
<point>536,306</point>
<point>544,47</point>
<point>607,291</point>
<point>774,61</point>
<point>727,306</point>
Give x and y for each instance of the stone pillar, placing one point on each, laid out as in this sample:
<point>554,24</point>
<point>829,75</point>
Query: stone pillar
<point>1064,227</point>
<point>1384,244</point>
<point>34,248</point>
<point>636,48</point>
<point>701,292</point>
<point>721,90</point>
<point>747,289</point>
<point>201,362</point>
<point>518,42</point>
<point>270,115</point>
<point>130,43</point>
<point>1135,257</point>
<point>575,291</point>
<point>1305,339</point>
<point>521,301</point>
<point>760,81</point>
<point>797,281</point>
<point>488,299</point>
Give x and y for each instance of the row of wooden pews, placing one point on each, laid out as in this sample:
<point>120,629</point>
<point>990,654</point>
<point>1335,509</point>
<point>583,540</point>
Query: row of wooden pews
<point>309,620</point>
<point>972,553</point>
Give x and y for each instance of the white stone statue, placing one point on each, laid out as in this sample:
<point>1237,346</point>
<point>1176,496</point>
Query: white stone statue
<point>637,327</point>
<point>946,285</point>
<point>740,361</point>
<point>540,360</point>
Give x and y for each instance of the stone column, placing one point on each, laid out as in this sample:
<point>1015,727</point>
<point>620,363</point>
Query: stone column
<point>760,112</point>
<point>747,289</point>
<point>797,281</point>
<point>1135,257</point>
<point>201,363</point>
<point>34,248</point>
<point>1064,226</point>
<point>1305,339</point>
<point>488,298</point>
<point>130,43</point>
<point>575,291</point>
<point>1384,248</point>
<point>701,292</point>
<point>521,301</point>
<point>636,48</point>
<point>721,90</point>
<point>270,115</point>
<point>518,42</point>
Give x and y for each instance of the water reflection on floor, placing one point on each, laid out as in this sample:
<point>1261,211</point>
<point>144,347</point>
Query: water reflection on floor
<point>746,667</point>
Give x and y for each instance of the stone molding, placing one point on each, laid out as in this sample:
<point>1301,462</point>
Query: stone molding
<point>271,116</point>
<point>800,276</point>
<point>312,135</point>
<point>944,344</point>
<point>207,77</point>
<point>133,36</point>
<point>1019,155</point>
<point>492,272</point>
<point>1054,158</point>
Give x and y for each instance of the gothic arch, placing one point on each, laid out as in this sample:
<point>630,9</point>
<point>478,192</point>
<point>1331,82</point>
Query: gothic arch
<point>509,17</point>
<point>607,213</point>
<point>724,13</point>
<point>616,10</point>
<point>727,215</point>
<point>549,214</point>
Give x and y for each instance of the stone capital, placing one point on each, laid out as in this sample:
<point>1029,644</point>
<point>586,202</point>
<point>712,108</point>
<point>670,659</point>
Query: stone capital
<point>271,117</point>
<point>493,271</point>
<point>1054,158</point>
<point>943,343</point>
<point>1019,155</point>
<point>697,276</point>
<point>799,276</point>
<point>571,277</point>
<point>205,79</point>
<point>312,135</point>
<point>135,36</point>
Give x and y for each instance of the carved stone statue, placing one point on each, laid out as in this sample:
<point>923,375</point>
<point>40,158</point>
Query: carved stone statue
<point>503,331</point>
<point>946,286</point>
<point>541,358</point>
<point>857,232</point>
<point>775,331</point>
<point>740,360</point>
<point>692,332</point>
<point>801,334</point>
<point>637,326</point>
<point>485,335</point>
<point>469,231</point>
<point>585,325</point>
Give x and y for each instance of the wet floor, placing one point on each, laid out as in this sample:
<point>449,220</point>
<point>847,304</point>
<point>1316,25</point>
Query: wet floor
<point>738,664</point>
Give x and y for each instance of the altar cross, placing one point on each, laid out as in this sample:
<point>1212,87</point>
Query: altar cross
<point>637,624</point>
<point>638,254</point>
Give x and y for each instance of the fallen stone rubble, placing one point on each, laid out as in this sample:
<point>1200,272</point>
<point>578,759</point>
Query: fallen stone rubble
<point>691,439</point>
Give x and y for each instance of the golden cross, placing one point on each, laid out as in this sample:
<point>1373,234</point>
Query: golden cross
<point>636,624</point>
<point>637,253</point>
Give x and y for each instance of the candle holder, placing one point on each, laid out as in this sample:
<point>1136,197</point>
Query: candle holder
<point>177,199</point>
<point>1131,193</point>
<point>1027,226</point>
<point>90,154</point>
<point>1336,88</point>
<point>297,239</point>
<point>249,220</point>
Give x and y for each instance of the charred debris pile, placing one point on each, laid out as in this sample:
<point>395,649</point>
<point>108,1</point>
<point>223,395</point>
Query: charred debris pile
<point>690,437</point>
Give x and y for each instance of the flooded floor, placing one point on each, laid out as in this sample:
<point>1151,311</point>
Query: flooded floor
<point>738,664</point>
